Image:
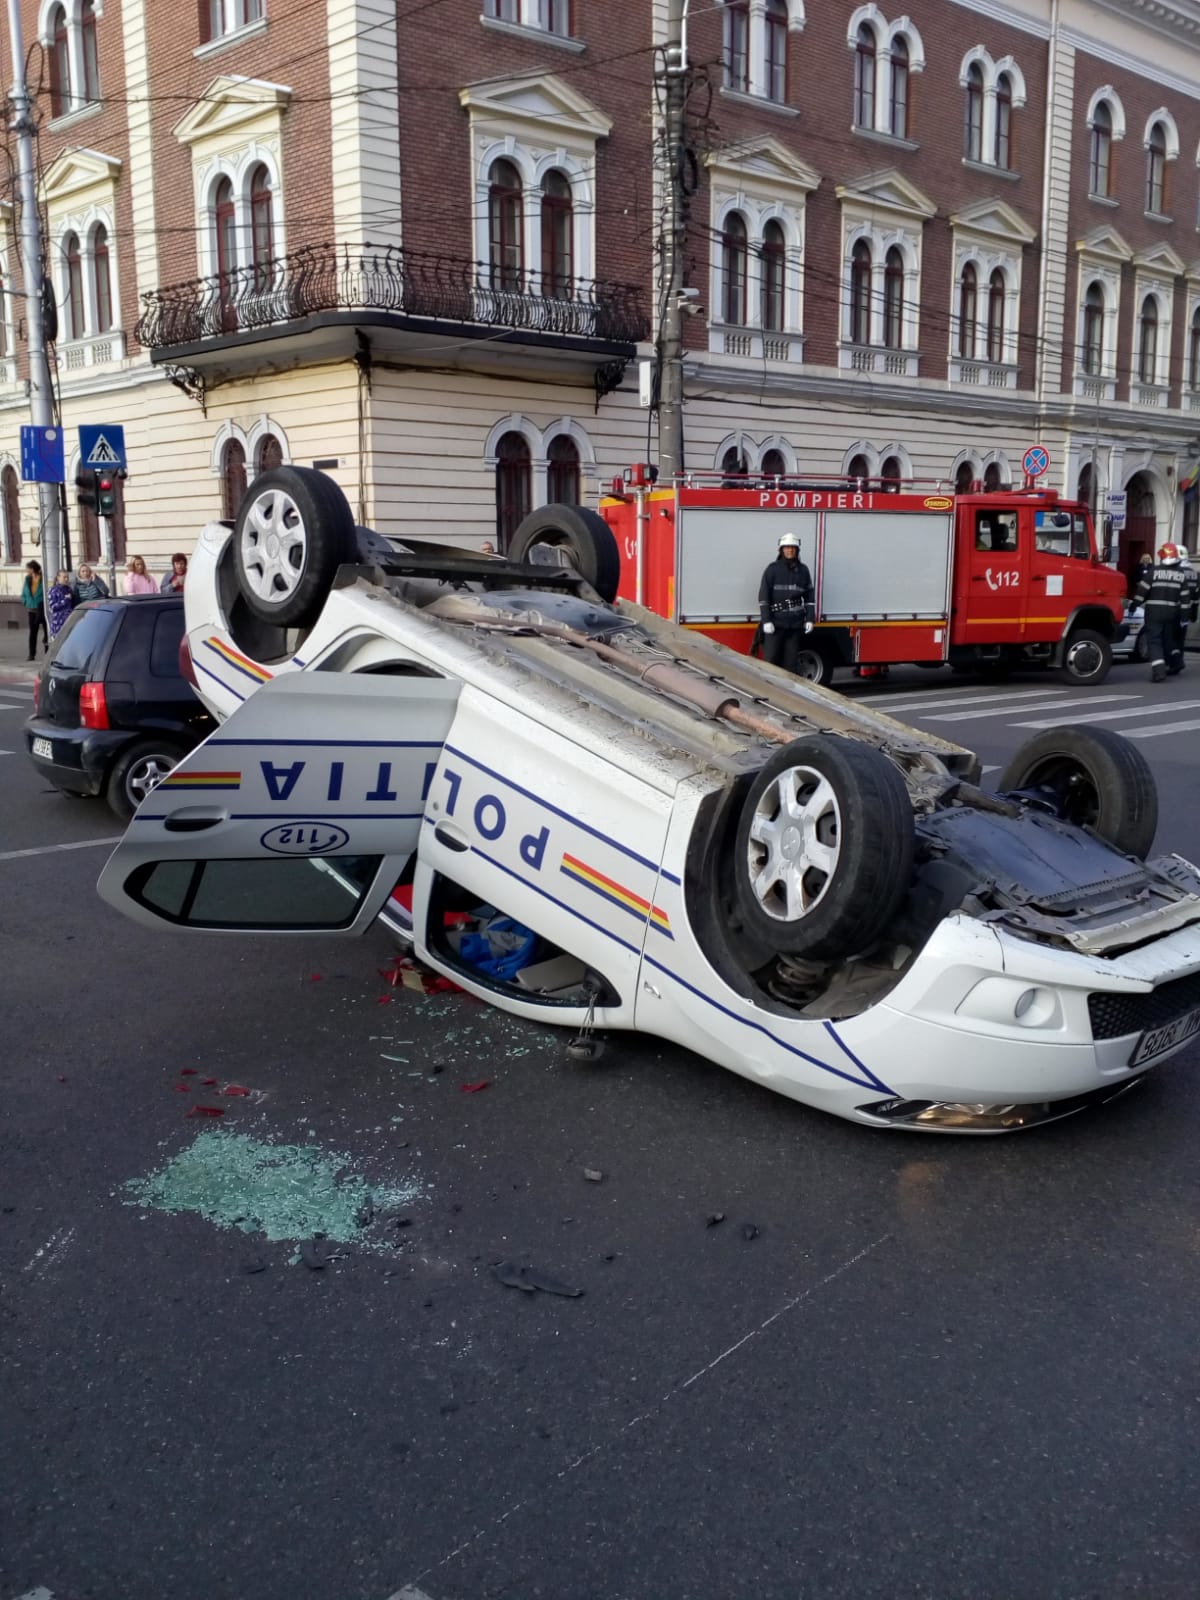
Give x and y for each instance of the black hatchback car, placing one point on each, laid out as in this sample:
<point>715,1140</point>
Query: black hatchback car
<point>112,714</point>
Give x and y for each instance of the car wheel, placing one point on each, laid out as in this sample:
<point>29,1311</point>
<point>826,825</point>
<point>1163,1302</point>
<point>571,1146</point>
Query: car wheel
<point>572,536</point>
<point>1094,778</point>
<point>294,529</point>
<point>137,772</point>
<point>813,665</point>
<point>1141,647</point>
<point>1087,658</point>
<point>824,848</point>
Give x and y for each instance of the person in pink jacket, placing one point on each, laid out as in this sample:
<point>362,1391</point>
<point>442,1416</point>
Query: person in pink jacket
<point>137,579</point>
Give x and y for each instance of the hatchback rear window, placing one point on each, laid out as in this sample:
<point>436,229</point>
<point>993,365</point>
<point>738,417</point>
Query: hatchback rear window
<point>164,646</point>
<point>83,638</point>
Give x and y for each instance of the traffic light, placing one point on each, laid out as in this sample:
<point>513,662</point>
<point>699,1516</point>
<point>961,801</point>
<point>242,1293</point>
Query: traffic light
<point>106,494</point>
<point>85,488</point>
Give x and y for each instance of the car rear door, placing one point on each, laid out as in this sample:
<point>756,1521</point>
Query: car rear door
<point>299,814</point>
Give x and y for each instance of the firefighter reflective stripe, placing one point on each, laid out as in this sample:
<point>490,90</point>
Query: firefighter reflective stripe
<point>786,593</point>
<point>1167,591</point>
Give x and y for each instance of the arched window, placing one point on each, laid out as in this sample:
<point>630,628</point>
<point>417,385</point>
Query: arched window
<point>1100,154</point>
<point>10,494</point>
<point>968,311</point>
<point>737,45</point>
<point>1004,106</point>
<point>1087,485</point>
<point>735,469</point>
<point>991,477</point>
<point>860,293</point>
<point>269,454</point>
<point>514,486</point>
<point>562,484</point>
<point>60,63</point>
<point>774,261</point>
<point>893,299</point>
<point>557,237</point>
<point>973,120</point>
<point>1148,341</point>
<point>102,279</point>
<point>964,477</point>
<point>1156,169</point>
<point>898,103</point>
<point>775,23</point>
<point>1194,351</point>
<point>736,258</point>
<point>233,478</point>
<point>73,318</point>
<point>995,322</point>
<point>890,474</point>
<point>859,468</point>
<point>1093,330</point>
<point>773,464</point>
<point>91,59</point>
<point>506,214</point>
<point>225,251</point>
<point>262,226</point>
<point>864,76</point>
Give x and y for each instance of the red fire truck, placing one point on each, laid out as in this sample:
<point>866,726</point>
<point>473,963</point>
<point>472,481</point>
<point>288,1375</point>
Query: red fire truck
<point>984,581</point>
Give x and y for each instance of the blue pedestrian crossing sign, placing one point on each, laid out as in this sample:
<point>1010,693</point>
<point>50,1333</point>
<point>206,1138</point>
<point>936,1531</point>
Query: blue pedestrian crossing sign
<point>42,455</point>
<point>1035,461</point>
<point>102,444</point>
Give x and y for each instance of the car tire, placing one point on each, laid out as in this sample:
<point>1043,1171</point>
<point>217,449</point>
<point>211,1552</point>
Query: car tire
<point>826,886</point>
<point>137,771</point>
<point>1087,658</point>
<point>813,665</point>
<point>574,536</point>
<point>1095,779</point>
<point>294,529</point>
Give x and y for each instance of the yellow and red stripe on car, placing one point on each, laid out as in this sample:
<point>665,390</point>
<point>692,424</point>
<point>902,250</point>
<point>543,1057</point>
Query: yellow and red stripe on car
<point>235,658</point>
<point>616,893</point>
<point>202,780</point>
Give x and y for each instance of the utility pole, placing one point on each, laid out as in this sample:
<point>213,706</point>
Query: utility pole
<point>674,79</point>
<point>41,395</point>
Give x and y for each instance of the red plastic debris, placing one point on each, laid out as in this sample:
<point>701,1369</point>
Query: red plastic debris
<point>234,1088</point>
<point>384,1000</point>
<point>188,1072</point>
<point>475,1088</point>
<point>183,1088</point>
<point>61,1079</point>
<point>209,1083</point>
<point>206,1111</point>
<point>316,977</point>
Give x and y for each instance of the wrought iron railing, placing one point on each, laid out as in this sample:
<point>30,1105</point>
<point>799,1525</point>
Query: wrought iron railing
<point>410,283</point>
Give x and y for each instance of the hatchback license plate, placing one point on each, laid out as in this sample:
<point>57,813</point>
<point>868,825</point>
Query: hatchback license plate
<point>1156,1040</point>
<point>43,747</point>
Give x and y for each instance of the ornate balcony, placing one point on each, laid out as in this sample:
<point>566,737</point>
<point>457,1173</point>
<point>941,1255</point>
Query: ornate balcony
<point>389,286</point>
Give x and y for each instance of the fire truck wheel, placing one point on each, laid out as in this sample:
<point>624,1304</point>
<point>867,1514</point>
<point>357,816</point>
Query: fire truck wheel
<point>813,665</point>
<point>1087,658</point>
<point>294,529</point>
<point>823,849</point>
<point>1093,778</point>
<point>572,536</point>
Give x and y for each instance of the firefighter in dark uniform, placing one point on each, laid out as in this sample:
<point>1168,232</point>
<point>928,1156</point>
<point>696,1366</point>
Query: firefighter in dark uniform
<point>1168,593</point>
<point>785,600</point>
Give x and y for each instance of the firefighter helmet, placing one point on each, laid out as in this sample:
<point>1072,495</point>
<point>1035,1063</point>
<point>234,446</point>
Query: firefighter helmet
<point>1170,552</point>
<point>786,539</point>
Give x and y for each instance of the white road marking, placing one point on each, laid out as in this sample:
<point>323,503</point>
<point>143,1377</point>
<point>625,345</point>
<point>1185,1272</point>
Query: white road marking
<point>410,1593</point>
<point>12,708</point>
<point>51,849</point>
<point>1049,705</point>
<point>1113,716</point>
<point>36,1594</point>
<point>1166,727</point>
<point>899,702</point>
<point>48,1254</point>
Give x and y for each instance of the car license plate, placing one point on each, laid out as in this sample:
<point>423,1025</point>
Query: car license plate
<point>1156,1040</point>
<point>43,747</point>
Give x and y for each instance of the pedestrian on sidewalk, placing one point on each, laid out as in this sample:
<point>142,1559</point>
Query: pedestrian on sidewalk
<point>1168,593</point>
<point>34,601</point>
<point>137,579</point>
<point>175,579</point>
<point>60,602</point>
<point>89,585</point>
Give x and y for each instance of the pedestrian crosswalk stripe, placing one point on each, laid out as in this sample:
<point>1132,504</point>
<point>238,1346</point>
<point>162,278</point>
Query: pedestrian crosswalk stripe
<point>1114,716</point>
<point>1167,727</point>
<point>925,703</point>
<point>1049,705</point>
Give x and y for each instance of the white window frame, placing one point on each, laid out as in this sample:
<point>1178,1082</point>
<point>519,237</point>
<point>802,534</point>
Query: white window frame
<point>759,88</point>
<point>991,71</point>
<point>532,14</point>
<point>884,358</point>
<point>239,171</point>
<point>94,346</point>
<point>234,18</point>
<point>1155,392</point>
<point>533,165</point>
<point>1101,386</point>
<point>1171,147</point>
<point>976,367</point>
<point>885,35</point>
<point>8,254</point>
<point>539,441</point>
<point>77,76</point>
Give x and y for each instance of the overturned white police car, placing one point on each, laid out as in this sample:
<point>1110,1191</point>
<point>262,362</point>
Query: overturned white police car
<point>666,836</point>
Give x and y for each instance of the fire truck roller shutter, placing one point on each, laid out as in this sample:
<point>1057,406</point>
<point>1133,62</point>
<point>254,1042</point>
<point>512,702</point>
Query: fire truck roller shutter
<point>1094,778</point>
<point>573,535</point>
<point>823,851</point>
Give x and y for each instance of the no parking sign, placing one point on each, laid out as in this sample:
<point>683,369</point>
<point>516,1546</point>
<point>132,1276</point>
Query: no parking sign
<point>1036,461</point>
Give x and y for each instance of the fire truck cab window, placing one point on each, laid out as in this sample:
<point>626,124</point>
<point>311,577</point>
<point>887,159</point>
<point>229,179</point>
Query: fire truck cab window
<point>996,530</point>
<point>1061,533</point>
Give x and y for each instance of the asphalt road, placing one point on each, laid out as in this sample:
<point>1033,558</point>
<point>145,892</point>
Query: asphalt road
<point>943,1367</point>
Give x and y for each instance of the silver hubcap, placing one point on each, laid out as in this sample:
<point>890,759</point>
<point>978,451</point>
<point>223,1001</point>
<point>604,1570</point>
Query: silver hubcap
<point>1085,658</point>
<point>274,546</point>
<point>145,775</point>
<point>795,841</point>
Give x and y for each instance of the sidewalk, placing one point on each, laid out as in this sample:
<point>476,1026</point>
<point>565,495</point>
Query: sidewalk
<point>14,648</point>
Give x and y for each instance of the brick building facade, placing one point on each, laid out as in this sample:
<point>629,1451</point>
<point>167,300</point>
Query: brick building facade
<point>418,242</point>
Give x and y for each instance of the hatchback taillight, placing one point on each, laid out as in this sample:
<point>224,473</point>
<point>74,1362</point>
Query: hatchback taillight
<point>186,670</point>
<point>93,707</point>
